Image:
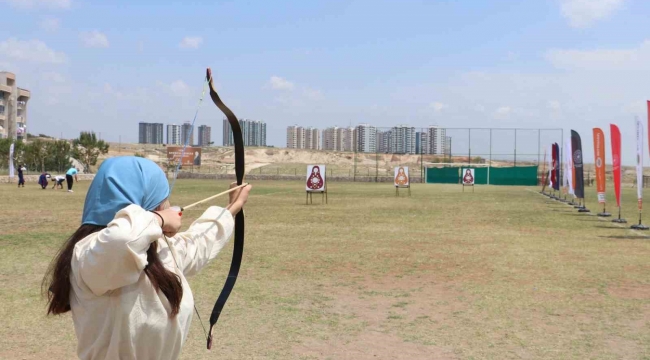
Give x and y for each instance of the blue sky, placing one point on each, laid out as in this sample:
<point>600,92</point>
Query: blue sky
<point>106,66</point>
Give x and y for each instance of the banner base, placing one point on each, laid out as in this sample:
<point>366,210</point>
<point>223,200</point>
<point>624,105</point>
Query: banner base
<point>620,221</point>
<point>604,214</point>
<point>639,227</point>
<point>577,207</point>
<point>583,210</point>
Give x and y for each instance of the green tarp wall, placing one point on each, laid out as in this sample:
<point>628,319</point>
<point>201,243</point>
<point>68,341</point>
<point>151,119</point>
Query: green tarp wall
<point>519,175</point>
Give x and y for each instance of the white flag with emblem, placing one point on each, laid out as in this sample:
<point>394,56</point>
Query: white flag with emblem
<point>11,161</point>
<point>639,162</point>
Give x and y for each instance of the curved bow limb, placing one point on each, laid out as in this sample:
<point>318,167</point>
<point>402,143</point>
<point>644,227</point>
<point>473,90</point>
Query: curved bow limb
<point>239,218</point>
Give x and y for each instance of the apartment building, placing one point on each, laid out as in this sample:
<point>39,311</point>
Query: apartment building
<point>13,107</point>
<point>187,134</point>
<point>384,142</point>
<point>402,140</point>
<point>204,135</point>
<point>174,135</point>
<point>312,138</point>
<point>253,132</point>
<point>150,133</point>
<point>330,139</point>
<point>295,137</point>
<point>366,138</point>
<point>436,140</point>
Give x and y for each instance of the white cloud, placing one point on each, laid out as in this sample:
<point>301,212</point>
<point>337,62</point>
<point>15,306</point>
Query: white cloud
<point>278,83</point>
<point>31,4</point>
<point>583,13</point>
<point>636,58</point>
<point>31,50</point>
<point>438,106</point>
<point>191,42</point>
<point>94,39</point>
<point>50,24</point>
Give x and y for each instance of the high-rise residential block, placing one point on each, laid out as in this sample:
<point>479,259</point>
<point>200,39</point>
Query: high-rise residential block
<point>174,135</point>
<point>150,133</point>
<point>384,141</point>
<point>366,138</point>
<point>253,132</point>
<point>402,140</point>
<point>204,135</point>
<point>312,138</point>
<point>187,134</point>
<point>330,138</point>
<point>436,137</point>
<point>13,107</point>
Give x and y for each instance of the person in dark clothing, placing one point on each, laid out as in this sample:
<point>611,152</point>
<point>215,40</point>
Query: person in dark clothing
<point>42,180</point>
<point>21,177</point>
<point>68,177</point>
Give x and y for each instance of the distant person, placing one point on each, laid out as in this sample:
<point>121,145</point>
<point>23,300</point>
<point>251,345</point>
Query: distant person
<point>42,180</point>
<point>58,180</point>
<point>68,177</point>
<point>21,177</point>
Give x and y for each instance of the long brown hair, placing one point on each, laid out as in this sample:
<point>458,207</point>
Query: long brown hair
<point>56,284</point>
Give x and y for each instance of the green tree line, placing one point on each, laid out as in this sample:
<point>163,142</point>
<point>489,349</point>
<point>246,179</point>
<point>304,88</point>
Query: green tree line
<point>45,155</point>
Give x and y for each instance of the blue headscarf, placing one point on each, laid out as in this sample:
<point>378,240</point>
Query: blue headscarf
<point>120,182</point>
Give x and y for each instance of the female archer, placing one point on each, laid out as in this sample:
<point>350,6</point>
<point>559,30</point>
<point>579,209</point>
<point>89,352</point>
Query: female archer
<point>123,272</point>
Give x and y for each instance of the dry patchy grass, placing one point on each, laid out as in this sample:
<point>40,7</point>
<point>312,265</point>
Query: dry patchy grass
<point>496,274</point>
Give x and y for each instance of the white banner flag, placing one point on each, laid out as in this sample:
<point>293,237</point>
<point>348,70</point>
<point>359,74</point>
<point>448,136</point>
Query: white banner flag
<point>11,161</point>
<point>568,166</point>
<point>639,162</point>
<point>549,160</point>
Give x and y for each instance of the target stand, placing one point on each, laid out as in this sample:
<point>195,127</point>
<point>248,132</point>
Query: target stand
<point>310,200</point>
<point>403,187</point>
<point>470,185</point>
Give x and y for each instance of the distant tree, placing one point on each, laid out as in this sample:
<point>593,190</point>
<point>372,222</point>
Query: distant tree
<point>5,144</point>
<point>138,155</point>
<point>87,149</point>
<point>58,155</point>
<point>36,154</point>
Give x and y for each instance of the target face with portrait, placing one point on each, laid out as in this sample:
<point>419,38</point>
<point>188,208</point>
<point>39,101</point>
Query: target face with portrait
<point>315,178</point>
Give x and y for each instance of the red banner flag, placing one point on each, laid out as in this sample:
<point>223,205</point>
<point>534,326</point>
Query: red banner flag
<point>616,161</point>
<point>599,157</point>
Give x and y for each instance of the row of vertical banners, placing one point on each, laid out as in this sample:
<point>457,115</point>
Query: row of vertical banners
<point>573,182</point>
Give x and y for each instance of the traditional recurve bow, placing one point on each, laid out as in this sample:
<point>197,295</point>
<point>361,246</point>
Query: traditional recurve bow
<point>239,218</point>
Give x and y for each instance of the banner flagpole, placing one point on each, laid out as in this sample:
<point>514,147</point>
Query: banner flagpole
<point>615,134</point>
<point>544,173</point>
<point>576,145</point>
<point>599,157</point>
<point>570,170</point>
<point>639,173</point>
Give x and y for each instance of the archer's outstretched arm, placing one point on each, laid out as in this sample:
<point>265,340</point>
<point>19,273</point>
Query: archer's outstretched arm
<point>203,241</point>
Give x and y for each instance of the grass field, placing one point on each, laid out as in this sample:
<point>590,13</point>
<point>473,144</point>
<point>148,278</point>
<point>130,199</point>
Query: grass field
<point>501,273</point>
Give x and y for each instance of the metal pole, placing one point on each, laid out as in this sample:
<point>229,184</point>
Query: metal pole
<point>539,143</point>
<point>515,147</point>
<point>354,176</point>
<point>469,146</point>
<point>376,157</point>
<point>490,162</point>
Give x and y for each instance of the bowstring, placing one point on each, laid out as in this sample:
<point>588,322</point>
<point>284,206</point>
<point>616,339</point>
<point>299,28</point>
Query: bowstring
<point>171,187</point>
<point>187,138</point>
